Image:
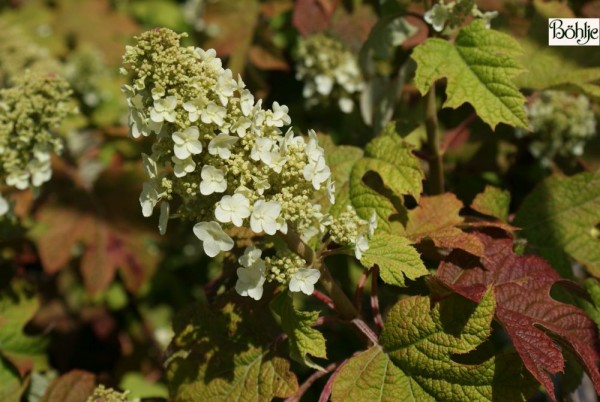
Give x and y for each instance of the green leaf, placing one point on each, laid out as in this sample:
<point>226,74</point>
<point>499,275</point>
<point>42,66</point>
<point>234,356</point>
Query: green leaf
<point>140,387</point>
<point>369,376</point>
<point>479,67</point>
<point>429,347</point>
<point>563,213</point>
<point>551,68</point>
<point>592,309</point>
<point>11,388</point>
<point>395,257</point>
<point>217,357</point>
<point>23,351</point>
<point>493,202</point>
<point>392,159</point>
<point>304,340</point>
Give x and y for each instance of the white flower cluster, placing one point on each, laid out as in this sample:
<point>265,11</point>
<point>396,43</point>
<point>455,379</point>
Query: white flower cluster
<point>223,158</point>
<point>454,12</point>
<point>329,71</point>
<point>560,124</point>
<point>29,112</point>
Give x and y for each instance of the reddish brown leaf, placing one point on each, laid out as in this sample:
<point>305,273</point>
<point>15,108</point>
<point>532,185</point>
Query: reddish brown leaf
<point>353,29</point>
<point>266,60</point>
<point>97,265</point>
<point>60,229</point>
<point>525,309</point>
<point>437,218</point>
<point>312,16</point>
<point>75,386</point>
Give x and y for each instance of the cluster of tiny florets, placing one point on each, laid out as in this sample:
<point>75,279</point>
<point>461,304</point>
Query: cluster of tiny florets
<point>18,54</point>
<point>451,14</point>
<point>560,124</point>
<point>222,156</point>
<point>103,394</point>
<point>329,71</point>
<point>30,111</point>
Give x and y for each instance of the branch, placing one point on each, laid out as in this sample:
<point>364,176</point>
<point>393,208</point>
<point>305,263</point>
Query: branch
<point>436,162</point>
<point>360,288</point>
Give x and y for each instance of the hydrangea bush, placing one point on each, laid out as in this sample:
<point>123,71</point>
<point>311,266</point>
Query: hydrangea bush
<point>440,245</point>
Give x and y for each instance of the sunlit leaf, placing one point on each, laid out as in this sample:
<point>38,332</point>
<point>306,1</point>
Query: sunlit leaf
<point>479,67</point>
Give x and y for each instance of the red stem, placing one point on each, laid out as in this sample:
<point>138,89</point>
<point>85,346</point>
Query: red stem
<point>324,298</point>
<point>360,289</point>
<point>374,299</point>
<point>326,393</point>
<point>310,381</point>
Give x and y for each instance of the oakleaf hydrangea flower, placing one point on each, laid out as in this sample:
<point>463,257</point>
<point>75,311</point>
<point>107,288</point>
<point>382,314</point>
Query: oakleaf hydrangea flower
<point>227,163</point>
<point>330,72</point>
<point>264,216</point>
<point>361,245</point>
<point>304,281</point>
<point>250,281</point>
<point>233,209</point>
<point>186,142</point>
<point>214,239</point>
<point>213,180</point>
<point>437,16</point>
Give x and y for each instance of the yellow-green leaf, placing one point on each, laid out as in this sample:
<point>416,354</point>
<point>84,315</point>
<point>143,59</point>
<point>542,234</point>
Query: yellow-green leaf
<point>479,66</point>
<point>563,213</point>
<point>396,259</point>
<point>392,160</point>
<point>303,339</point>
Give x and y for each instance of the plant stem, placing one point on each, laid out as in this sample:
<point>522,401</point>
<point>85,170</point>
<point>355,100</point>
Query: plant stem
<point>375,299</point>
<point>309,381</point>
<point>436,161</point>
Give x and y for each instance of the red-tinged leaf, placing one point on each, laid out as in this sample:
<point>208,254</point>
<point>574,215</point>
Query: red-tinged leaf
<point>60,229</point>
<point>353,29</point>
<point>312,16</point>
<point>97,264</point>
<point>75,386</point>
<point>437,218</point>
<point>524,307</point>
<point>266,60</point>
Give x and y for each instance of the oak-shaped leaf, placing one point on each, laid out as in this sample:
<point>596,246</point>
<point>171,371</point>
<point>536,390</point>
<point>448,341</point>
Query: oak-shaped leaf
<point>392,161</point>
<point>19,350</point>
<point>396,258</point>
<point>479,67</point>
<point>218,356</point>
<point>534,320</point>
<point>423,357</point>
<point>437,218</point>
<point>304,340</point>
<point>563,213</point>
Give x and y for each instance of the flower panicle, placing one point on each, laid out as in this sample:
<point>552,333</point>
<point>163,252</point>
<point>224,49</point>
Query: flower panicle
<point>225,158</point>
